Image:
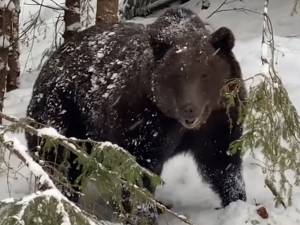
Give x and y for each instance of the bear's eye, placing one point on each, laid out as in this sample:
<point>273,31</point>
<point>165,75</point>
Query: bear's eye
<point>204,76</point>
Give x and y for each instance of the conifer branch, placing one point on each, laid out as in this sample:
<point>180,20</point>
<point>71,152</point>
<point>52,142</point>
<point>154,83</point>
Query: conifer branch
<point>67,144</point>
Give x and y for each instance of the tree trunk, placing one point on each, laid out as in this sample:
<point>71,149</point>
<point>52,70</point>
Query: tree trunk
<point>107,11</point>
<point>3,74</point>
<point>72,19</point>
<point>5,31</point>
<point>14,53</point>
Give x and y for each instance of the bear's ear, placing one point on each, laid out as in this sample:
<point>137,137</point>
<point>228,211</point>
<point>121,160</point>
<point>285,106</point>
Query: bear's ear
<point>223,39</point>
<point>159,49</point>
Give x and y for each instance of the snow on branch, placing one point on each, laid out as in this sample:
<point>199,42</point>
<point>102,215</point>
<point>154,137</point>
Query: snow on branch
<point>17,148</point>
<point>45,207</point>
<point>47,195</point>
<point>71,144</point>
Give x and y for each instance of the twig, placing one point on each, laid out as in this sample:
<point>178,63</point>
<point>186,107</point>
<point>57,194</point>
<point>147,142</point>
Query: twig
<point>47,6</point>
<point>272,188</point>
<point>7,175</point>
<point>294,11</point>
<point>268,68</point>
<point>217,9</point>
<point>226,2</point>
<point>34,30</point>
<point>244,10</point>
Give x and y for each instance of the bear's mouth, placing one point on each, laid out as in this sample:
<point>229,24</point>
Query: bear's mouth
<point>193,123</point>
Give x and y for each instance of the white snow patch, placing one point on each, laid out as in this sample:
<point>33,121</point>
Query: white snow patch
<point>74,27</point>
<point>2,65</point>
<point>114,76</point>
<point>111,86</point>
<point>100,55</point>
<point>8,4</point>
<point>91,69</point>
<point>34,167</point>
<point>8,200</point>
<point>49,131</point>
<point>181,49</point>
<point>105,95</point>
<point>65,217</point>
<point>4,41</point>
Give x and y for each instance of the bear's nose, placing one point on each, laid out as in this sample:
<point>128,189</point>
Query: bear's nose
<point>189,112</point>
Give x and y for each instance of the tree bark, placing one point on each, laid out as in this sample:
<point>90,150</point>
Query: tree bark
<point>72,19</point>
<point>107,11</point>
<point>5,31</point>
<point>13,75</point>
<point>3,75</point>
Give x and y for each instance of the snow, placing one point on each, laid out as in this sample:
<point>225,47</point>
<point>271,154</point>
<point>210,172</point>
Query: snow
<point>49,131</point>
<point>7,4</point>
<point>100,55</point>
<point>2,65</point>
<point>74,26</point>
<point>4,43</point>
<point>8,200</point>
<point>34,167</point>
<point>183,188</point>
<point>181,50</point>
<point>61,211</point>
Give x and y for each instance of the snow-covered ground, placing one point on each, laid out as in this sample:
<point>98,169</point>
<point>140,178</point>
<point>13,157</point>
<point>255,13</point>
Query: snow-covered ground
<point>184,188</point>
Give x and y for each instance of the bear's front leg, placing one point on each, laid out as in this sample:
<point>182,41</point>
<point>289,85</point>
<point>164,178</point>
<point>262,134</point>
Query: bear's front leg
<point>221,169</point>
<point>224,176</point>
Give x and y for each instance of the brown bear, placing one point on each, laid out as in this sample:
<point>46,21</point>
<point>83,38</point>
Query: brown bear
<point>155,91</point>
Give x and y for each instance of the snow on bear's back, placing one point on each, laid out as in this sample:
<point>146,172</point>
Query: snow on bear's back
<point>99,59</point>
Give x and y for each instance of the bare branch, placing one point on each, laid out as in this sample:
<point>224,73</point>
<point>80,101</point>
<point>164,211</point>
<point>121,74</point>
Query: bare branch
<point>47,6</point>
<point>273,190</point>
<point>227,2</point>
<point>34,24</point>
<point>217,9</point>
<point>295,7</point>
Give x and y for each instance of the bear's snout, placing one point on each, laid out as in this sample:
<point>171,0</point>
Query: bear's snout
<point>189,112</point>
<point>193,116</point>
<point>190,116</point>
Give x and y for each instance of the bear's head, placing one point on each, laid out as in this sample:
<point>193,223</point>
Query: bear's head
<point>189,75</point>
